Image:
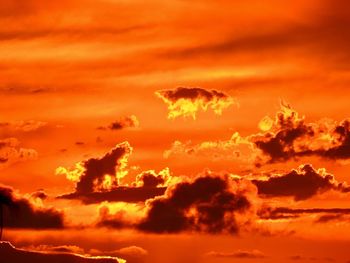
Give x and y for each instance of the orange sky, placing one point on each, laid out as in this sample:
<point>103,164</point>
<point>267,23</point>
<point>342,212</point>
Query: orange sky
<point>186,84</point>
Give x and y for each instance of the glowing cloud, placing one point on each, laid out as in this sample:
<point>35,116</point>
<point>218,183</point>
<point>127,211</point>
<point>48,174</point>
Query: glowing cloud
<point>50,254</point>
<point>187,102</point>
<point>100,174</point>
<point>287,136</point>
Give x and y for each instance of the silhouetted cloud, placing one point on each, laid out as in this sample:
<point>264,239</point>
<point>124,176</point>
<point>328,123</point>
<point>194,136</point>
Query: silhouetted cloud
<point>9,253</point>
<point>186,101</point>
<point>289,136</point>
<point>125,122</point>
<point>20,212</point>
<point>97,179</point>
<point>39,194</point>
<point>301,184</point>
<point>97,174</point>
<point>207,204</point>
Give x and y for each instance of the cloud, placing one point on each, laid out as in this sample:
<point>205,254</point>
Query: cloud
<point>236,148</point>
<point>98,179</point>
<point>313,32</point>
<point>287,136</point>
<point>25,126</point>
<point>286,212</point>
<point>241,254</point>
<point>134,251</point>
<point>290,136</point>
<point>186,102</point>
<point>99,174</point>
<point>301,184</point>
<point>303,258</point>
<point>14,255</point>
<point>209,204</point>
<point>119,220</point>
<point>123,123</point>
<point>119,194</point>
<point>11,152</point>
<point>150,179</point>
<point>331,218</point>
<point>40,194</point>
<point>60,249</point>
<point>21,212</point>
<point>131,253</point>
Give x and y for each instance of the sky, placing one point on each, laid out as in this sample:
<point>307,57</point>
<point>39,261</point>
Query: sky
<point>175,131</point>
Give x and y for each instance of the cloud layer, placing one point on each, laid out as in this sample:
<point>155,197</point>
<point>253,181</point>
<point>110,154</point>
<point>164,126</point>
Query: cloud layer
<point>9,253</point>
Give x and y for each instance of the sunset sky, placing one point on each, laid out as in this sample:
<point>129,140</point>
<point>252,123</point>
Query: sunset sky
<point>175,131</point>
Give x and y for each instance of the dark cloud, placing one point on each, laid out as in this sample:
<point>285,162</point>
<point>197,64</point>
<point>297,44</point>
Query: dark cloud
<point>301,184</point>
<point>191,94</point>
<point>342,148</point>
<point>286,137</point>
<point>90,177</point>
<point>39,194</point>
<point>292,137</point>
<point>126,122</point>
<point>95,169</point>
<point>303,258</point>
<point>331,217</point>
<point>9,253</point>
<point>120,194</point>
<point>3,160</point>
<point>241,254</point>
<point>208,204</point>
<point>122,123</point>
<point>150,179</point>
<point>19,212</point>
